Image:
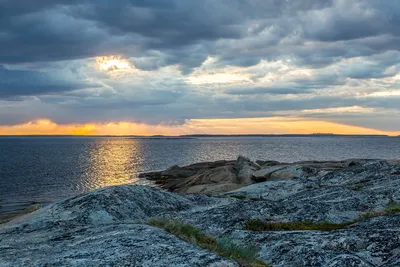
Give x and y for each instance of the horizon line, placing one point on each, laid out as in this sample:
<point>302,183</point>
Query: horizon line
<point>198,135</point>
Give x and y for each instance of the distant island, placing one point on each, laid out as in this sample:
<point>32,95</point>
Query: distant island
<point>284,135</point>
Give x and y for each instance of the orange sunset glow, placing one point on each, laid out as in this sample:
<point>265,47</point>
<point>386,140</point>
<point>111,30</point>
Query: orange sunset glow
<point>276,125</point>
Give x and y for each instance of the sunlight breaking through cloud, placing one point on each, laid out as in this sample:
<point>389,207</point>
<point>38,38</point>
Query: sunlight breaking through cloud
<point>112,63</point>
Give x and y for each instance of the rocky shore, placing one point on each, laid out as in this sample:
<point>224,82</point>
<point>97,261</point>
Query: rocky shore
<point>223,176</point>
<point>344,213</point>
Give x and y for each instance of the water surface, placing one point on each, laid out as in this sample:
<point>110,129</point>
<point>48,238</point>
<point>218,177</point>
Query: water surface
<point>50,168</point>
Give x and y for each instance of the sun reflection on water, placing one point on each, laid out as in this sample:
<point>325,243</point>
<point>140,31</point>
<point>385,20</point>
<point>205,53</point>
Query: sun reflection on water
<point>113,162</point>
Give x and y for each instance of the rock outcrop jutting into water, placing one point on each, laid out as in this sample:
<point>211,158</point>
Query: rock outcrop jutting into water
<point>223,176</point>
<point>302,214</point>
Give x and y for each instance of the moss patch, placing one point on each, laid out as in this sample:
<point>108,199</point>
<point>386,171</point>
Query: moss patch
<point>244,255</point>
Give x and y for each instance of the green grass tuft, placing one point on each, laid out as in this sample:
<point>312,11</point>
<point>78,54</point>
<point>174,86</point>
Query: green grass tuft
<point>244,255</point>
<point>260,225</point>
<point>256,198</point>
<point>393,207</point>
<point>239,197</point>
<point>237,251</point>
<point>356,188</point>
<point>246,198</point>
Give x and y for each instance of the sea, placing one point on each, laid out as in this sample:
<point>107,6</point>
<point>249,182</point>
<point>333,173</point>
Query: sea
<point>45,169</point>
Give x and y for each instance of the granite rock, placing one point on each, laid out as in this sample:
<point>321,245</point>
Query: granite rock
<point>245,169</point>
<point>107,227</point>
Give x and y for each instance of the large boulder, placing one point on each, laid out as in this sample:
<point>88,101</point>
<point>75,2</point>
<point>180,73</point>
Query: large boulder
<point>208,177</point>
<point>176,177</point>
<point>221,176</point>
<point>206,182</point>
<point>245,168</point>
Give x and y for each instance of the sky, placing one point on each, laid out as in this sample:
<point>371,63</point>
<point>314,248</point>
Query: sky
<point>145,67</point>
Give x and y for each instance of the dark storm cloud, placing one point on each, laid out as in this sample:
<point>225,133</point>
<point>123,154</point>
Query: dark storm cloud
<point>17,83</point>
<point>349,20</point>
<point>58,30</point>
<point>67,30</point>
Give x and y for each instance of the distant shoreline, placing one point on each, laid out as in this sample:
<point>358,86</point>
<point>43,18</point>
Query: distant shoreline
<point>192,136</point>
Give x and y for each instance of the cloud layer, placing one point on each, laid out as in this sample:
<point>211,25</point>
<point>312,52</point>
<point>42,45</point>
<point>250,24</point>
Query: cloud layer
<point>166,62</point>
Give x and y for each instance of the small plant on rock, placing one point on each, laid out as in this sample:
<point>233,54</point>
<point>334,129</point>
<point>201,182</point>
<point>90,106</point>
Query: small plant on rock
<point>393,207</point>
<point>259,225</point>
<point>245,255</point>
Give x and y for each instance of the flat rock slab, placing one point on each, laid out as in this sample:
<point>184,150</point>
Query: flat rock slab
<point>104,228</point>
<point>107,245</point>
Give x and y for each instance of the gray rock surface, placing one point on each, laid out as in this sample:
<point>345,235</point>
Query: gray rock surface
<point>107,227</point>
<point>373,242</point>
<point>274,190</point>
<point>282,172</point>
<point>206,182</point>
<point>223,176</point>
<point>339,196</point>
<point>206,178</point>
<point>245,170</point>
<point>103,228</point>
